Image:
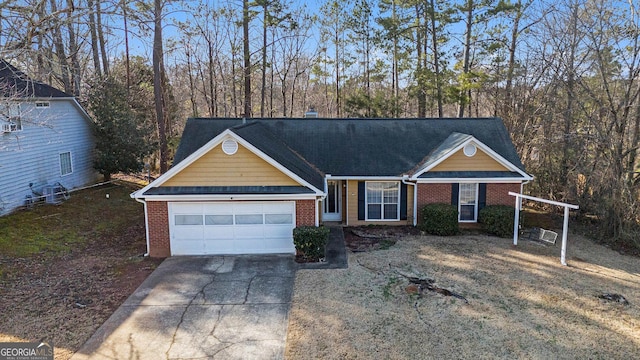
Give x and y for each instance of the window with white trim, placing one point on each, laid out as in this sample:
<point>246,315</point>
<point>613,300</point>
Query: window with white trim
<point>468,204</point>
<point>383,200</point>
<point>10,117</point>
<point>65,163</point>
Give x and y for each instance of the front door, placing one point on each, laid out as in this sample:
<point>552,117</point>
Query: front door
<point>333,203</point>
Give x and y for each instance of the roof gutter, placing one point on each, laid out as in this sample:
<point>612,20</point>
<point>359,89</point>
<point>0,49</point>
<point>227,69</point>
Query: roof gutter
<point>229,197</point>
<point>373,178</point>
<point>471,180</point>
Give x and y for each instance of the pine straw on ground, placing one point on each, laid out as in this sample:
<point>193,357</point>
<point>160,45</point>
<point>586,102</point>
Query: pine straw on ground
<point>522,303</point>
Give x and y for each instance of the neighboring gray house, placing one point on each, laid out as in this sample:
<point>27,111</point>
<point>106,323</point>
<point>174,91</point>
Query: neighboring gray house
<point>46,141</point>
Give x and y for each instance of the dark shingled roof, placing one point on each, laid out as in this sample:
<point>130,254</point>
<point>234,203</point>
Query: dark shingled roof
<point>350,147</point>
<point>15,83</point>
<point>227,190</point>
<point>259,136</point>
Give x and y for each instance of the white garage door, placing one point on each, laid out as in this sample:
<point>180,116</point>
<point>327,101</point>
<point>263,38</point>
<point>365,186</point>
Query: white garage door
<point>231,228</point>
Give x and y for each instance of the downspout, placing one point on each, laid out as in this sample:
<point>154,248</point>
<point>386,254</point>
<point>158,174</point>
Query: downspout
<point>522,184</point>
<point>146,223</point>
<point>317,217</point>
<point>415,198</point>
<point>321,198</point>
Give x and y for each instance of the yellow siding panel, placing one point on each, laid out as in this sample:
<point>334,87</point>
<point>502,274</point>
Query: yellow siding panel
<point>243,168</point>
<point>352,207</point>
<point>460,162</point>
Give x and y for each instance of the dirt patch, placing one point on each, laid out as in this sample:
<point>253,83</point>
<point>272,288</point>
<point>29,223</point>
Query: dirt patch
<point>522,303</point>
<point>368,238</point>
<point>64,297</point>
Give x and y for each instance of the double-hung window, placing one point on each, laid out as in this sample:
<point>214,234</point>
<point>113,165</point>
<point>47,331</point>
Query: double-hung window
<point>468,202</point>
<point>383,200</point>
<point>65,163</point>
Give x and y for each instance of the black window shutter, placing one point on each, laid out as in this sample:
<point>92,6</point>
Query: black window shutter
<point>455,189</point>
<point>361,199</point>
<point>482,196</point>
<point>403,201</point>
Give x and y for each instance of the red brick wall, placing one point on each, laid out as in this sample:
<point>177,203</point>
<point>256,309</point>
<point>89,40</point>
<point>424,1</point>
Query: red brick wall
<point>432,193</point>
<point>498,194</point>
<point>158,222</point>
<point>305,213</point>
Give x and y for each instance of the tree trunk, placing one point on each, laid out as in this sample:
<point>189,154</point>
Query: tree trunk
<point>568,113</point>
<point>395,87</point>
<point>422,100</point>
<point>263,87</point>
<point>74,49</point>
<point>103,49</point>
<point>247,59</point>
<point>94,39</point>
<point>467,56</point>
<point>157,84</point>
<point>436,57</point>
<point>212,80</point>
<point>126,43</point>
<point>60,53</point>
<point>337,44</point>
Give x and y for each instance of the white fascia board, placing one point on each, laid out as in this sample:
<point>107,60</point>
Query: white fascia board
<point>494,155</point>
<point>257,197</point>
<point>184,163</point>
<point>468,180</point>
<point>212,144</point>
<point>82,110</point>
<point>275,164</point>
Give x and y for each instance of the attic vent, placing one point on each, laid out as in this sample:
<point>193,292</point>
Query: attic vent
<point>229,146</point>
<point>470,150</point>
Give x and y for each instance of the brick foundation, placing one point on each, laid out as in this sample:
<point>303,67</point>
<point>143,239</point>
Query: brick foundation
<point>305,213</point>
<point>158,222</point>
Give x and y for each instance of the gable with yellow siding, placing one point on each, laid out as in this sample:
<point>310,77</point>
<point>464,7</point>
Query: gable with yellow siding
<point>458,161</point>
<point>243,168</point>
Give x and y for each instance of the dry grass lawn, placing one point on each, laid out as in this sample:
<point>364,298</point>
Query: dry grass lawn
<point>522,303</point>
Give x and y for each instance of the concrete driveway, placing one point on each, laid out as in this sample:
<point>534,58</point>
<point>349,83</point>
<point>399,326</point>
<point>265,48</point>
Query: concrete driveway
<point>226,307</point>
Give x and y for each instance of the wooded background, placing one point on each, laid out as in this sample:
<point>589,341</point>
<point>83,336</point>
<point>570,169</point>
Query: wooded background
<point>562,74</point>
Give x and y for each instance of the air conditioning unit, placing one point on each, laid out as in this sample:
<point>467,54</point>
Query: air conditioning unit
<point>53,194</point>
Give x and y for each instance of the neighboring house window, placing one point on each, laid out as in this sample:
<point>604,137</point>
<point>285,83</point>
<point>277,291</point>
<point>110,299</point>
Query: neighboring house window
<point>468,203</point>
<point>10,117</point>
<point>383,200</point>
<point>65,163</point>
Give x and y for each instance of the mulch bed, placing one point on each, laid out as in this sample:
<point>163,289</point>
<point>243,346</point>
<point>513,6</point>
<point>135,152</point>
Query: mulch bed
<point>375,237</point>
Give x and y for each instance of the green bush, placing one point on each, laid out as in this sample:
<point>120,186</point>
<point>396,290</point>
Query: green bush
<point>497,219</point>
<point>311,241</point>
<point>440,219</point>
